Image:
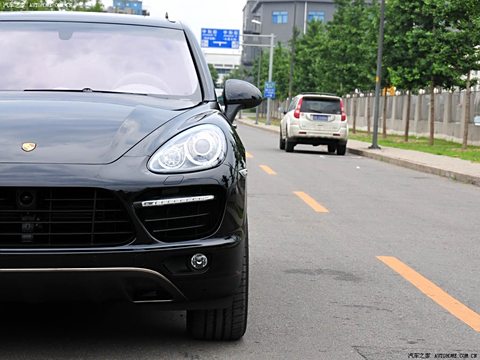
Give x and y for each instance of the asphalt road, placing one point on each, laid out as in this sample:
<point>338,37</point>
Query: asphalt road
<point>318,290</point>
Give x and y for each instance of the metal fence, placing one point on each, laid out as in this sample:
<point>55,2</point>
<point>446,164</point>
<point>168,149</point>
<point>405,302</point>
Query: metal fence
<point>276,111</point>
<point>449,114</point>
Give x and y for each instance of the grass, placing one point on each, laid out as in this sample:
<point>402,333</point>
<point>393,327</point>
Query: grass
<point>440,147</point>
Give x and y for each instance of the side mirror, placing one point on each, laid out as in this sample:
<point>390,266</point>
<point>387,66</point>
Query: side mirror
<point>238,95</point>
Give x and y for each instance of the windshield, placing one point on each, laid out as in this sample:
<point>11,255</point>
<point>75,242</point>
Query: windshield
<point>101,57</point>
<point>325,106</point>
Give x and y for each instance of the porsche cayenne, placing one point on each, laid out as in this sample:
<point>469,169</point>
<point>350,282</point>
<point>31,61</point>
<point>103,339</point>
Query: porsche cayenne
<point>121,176</point>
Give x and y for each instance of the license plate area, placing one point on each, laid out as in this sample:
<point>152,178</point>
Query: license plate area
<point>320,117</point>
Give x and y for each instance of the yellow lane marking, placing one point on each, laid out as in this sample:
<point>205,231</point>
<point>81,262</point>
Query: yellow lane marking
<point>449,303</point>
<point>311,202</point>
<point>249,156</point>
<point>268,170</point>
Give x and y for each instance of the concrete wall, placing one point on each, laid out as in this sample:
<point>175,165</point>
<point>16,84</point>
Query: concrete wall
<point>449,115</point>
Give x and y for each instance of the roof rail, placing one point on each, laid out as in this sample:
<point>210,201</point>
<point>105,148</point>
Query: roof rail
<point>319,93</point>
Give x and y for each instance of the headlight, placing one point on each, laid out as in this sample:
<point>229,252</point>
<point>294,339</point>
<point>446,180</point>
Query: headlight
<point>198,148</point>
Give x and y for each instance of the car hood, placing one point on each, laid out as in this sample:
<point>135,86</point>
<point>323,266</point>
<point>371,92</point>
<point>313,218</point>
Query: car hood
<point>71,128</point>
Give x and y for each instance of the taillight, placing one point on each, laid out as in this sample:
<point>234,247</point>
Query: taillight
<point>342,109</point>
<point>296,113</point>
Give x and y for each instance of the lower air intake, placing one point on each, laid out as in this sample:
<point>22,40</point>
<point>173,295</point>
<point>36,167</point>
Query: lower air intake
<point>62,217</point>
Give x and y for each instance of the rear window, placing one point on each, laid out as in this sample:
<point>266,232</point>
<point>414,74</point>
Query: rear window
<point>108,57</point>
<point>321,106</point>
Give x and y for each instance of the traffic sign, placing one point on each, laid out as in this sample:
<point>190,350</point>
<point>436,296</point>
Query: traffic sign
<point>220,38</point>
<point>269,91</point>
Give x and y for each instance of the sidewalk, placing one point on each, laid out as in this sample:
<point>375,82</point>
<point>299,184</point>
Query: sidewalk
<point>456,169</point>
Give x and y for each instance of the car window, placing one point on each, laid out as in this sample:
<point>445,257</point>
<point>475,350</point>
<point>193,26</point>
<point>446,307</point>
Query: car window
<point>106,57</point>
<point>323,105</point>
<point>293,104</point>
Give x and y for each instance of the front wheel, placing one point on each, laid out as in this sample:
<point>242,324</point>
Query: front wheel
<point>224,324</point>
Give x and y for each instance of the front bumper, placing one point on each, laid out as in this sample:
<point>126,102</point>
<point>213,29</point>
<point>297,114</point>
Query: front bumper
<point>158,275</point>
<point>145,270</point>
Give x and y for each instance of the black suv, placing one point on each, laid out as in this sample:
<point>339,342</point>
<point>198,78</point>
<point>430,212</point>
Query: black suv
<point>121,176</point>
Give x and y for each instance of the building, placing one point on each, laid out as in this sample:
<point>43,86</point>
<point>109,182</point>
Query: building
<point>223,63</point>
<point>279,17</point>
<point>134,7</point>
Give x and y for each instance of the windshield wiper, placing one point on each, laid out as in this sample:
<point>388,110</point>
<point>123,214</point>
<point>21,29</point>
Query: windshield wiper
<point>88,90</point>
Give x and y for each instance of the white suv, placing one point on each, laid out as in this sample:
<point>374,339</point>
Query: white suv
<point>315,119</point>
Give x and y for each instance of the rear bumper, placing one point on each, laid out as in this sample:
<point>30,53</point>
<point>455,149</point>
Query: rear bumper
<point>149,275</point>
<point>318,137</point>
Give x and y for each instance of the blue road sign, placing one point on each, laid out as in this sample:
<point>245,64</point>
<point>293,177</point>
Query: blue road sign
<point>269,91</point>
<point>220,38</point>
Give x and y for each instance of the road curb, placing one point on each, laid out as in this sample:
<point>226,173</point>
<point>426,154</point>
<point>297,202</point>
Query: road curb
<point>453,175</point>
<point>259,126</point>
<point>468,179</point>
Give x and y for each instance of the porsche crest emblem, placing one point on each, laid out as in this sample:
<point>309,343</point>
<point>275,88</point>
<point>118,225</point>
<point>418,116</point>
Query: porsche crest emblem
<point>29,146</point>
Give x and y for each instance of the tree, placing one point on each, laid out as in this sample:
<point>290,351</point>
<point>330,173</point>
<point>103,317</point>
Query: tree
<point>213,73</point>
<point>293,44</point>
<point>281,61</point>
<point>399,54</point>
<point>35,5</point>
<point>237,73</point>
<point>352,43</point>
<point>69,5</point>
<point>464,35</point>
<point>11,5</point>
<point>280,74</point>
<point>421,47</point>
<point>42,5</point>
<point>97,7</point>
<point>312,49</point>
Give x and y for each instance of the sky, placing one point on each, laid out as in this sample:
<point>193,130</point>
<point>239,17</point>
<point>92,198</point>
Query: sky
<point>198,14</point>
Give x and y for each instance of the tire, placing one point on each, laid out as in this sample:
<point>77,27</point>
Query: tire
<point>223,324</point>
<point>332,148</point>
<point>341,149</point>
<point>282,141</point>
<point>289,144</point>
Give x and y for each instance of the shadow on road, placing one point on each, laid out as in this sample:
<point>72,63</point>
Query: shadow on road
<point>314,152</point>
<point>104,331</point>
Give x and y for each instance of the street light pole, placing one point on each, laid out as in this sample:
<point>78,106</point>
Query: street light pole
<point>257,110</point>
<point>270,64</point>
<point>378,78</point>
<point>270,71</point>
<point>292,52</point>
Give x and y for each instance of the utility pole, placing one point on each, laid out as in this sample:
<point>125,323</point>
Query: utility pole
<point>378,78</point>
<point>270,73</point>
<point>292,54</point>
<point>270,64</point>
<point>257,110</point>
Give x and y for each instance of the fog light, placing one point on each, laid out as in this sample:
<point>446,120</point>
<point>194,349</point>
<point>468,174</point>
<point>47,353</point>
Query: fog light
<point>199,261</point>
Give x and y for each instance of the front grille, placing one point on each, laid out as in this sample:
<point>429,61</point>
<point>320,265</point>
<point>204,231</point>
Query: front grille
<point>62,217</point>
<point>186,221</point>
